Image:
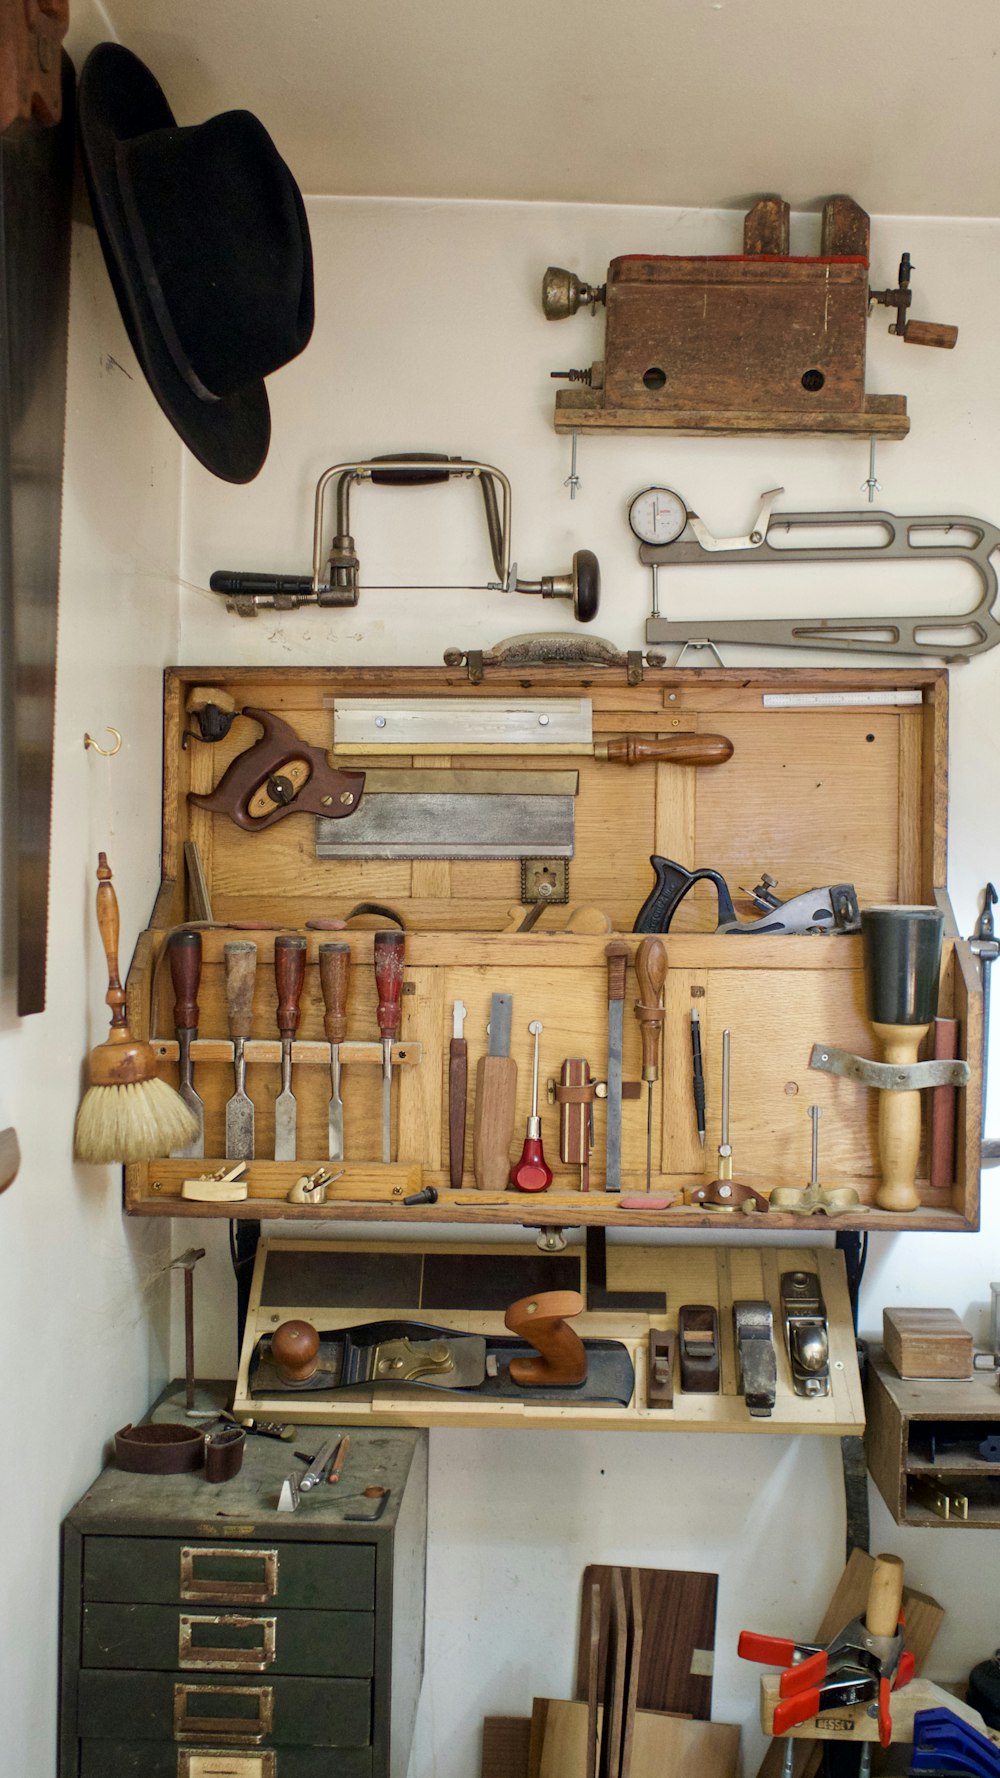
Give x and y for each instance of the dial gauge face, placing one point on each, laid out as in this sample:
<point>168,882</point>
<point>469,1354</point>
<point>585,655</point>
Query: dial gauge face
<point>657,515</point>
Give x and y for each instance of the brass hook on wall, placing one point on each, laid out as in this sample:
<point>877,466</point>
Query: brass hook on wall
<point>105,752</point>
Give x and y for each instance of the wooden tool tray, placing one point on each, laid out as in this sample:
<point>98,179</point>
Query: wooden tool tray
<point>336,1284</point>
<point>821,791</point>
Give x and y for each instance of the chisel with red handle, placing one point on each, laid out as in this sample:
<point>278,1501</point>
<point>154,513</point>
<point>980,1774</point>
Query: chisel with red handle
<point>388,956</point>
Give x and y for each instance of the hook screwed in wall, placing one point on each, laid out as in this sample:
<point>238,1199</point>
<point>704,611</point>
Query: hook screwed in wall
<point>105,752</point>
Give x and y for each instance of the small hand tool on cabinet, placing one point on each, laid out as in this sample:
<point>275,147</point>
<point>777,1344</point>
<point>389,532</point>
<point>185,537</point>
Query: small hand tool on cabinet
<point>865,1660</point>
<point>289,975</point>
<point>496,1087</point>
<point>241,975</point>
<point>184,952</point>
<point>574,1093</point>
<point>388,957</point>
<point>697,1074</point>
<point>617,954</point>
<point>334,969</point>
<point>458,1085</point>
<point>532,1172</point>
<point>651,973</point>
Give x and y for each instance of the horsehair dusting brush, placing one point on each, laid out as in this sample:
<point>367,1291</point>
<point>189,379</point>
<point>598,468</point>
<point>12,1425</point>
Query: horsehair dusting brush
<point>127,1113</point>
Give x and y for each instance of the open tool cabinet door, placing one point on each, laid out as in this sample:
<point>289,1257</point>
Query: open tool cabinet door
<point>822,789</point>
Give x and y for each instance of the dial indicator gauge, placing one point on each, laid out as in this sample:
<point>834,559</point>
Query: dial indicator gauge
<point>657,515</point>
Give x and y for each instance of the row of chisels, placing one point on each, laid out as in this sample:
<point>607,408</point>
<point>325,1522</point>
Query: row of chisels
<point>184,951</point>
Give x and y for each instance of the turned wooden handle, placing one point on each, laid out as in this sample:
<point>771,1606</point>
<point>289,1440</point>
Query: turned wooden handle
<point>108,927</point>
<point>899,1121</point>
<point>241,973</point>
<point>493,1125</point>
<point>295,1350</point>
<point>541,1322</point>
<point>650,973</point>
<point>930,333</point>
<point>184,950</point>
<point>289,975</point>
<point>680,750</point>
<point>885,1596</point>
<point>334,967</point>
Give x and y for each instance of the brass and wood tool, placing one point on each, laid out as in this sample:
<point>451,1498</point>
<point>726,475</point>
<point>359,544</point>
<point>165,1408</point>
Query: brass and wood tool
<point>388,958</point>
<point>241,974</point>
<point>902,952</point>
<point>334,970</point>
<point>651,973</point>
<point>184,952</point>
<point>617,959</point>
<point>532,1172</point>
<point>458,1085</point>
<point>574,1093</point>
<point>496,1087</point>
<point>289,976</point>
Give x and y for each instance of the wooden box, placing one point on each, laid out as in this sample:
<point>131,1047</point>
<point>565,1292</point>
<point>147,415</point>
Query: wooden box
<point>927,1343</point>
<point>934,1446</point>
<point>829,790</point>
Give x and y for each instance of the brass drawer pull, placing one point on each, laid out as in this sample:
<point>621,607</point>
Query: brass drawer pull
<point>211,1655</point>
<point>230,1730</point>
<point>225,1765</point>
<point>194,1588</point>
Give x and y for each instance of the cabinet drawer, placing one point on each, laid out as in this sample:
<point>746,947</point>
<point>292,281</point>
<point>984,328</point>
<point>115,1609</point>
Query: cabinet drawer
<point>338,1644</point>
<point>166,1571</point>
<point>164,1759</point>
<point>223,1710</point>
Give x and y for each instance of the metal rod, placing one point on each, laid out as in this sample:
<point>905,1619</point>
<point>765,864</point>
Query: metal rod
<point>815,1113</point>
<point>725,1088</point>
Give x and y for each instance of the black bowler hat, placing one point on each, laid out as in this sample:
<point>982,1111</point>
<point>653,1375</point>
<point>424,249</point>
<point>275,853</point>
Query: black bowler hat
<point>206,242</point>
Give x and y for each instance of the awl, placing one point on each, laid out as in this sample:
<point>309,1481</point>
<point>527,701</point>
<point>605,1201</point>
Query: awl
<point>289,975</point>
<point>334,969</point>
<point>388,957</point>
<point>241,972</point>
<point>650,973</point>
<point>184,949</point>
<point>496,1088</point>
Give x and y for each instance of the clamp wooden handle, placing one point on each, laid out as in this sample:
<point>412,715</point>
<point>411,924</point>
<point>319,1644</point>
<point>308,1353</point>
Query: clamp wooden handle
<point>885,1596</point>
<point>540,1321</point>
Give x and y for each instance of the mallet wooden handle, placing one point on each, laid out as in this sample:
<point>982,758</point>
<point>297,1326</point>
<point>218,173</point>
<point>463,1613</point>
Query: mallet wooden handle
<point>241,973</point>
<point>885,1596</point>
<point>289,975</point>
<point>899,1121</point>
<point>650,973</point>
<point>678,750</point>
<point>184,950</point>
<point>541,1321</point>
<point>334,967</point>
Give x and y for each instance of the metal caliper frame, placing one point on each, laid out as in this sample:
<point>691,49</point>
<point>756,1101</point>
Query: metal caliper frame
<point>890,635</point>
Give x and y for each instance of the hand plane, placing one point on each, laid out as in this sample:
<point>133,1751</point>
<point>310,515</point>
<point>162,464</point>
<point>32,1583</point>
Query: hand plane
<point>833,909</point>
<point>807,1338</point>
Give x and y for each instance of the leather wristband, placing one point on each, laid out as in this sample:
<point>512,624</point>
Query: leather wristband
<point>224,1453</point>
<point>156,1449</point>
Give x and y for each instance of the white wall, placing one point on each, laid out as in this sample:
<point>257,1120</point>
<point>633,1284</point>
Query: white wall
<point>85,1295</point>
<point>430,336</point>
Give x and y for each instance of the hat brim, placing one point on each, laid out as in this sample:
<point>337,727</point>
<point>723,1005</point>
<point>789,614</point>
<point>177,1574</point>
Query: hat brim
<point>119,98</point>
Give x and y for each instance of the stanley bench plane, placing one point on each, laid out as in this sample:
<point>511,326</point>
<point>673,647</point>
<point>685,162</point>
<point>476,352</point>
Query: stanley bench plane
<point>834,909</point>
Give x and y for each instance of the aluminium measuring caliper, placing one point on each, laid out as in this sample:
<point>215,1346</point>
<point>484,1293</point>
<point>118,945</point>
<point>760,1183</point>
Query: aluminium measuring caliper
<point>670,535</point>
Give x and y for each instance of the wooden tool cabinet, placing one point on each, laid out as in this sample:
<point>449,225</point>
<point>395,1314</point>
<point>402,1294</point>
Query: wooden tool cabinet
<point>923,1438</point>
<point>821,792</point>
<point>205,1634</point>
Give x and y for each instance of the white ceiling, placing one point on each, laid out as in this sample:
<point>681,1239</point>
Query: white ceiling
<point>676,102</point>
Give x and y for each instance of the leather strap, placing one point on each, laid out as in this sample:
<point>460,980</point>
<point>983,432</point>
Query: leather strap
<point>224,1453</point>
<point>156,1449</point>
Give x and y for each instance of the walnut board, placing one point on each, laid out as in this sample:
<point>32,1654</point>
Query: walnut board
<point>717,1275</point>
<point>661,1744</point>
<point>678,1638</point>
<point>814,795</point>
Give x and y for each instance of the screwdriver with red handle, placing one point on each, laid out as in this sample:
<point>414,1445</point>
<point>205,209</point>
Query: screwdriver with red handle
<point>388,952</point>
<point>532,1172</point>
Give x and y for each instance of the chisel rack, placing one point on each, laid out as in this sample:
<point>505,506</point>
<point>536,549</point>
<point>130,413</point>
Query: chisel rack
<point>836,776</point>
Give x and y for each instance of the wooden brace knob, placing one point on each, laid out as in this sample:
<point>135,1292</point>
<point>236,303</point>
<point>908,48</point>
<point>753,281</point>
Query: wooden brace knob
<point>540,1322</point>
<point>295,1350</point>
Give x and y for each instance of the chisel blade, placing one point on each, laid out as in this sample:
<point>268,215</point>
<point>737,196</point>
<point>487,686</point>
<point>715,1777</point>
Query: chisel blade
<point>239,1128</point>
<point>185,1087</point>
<point>336,1109</point>
<point>284,1126</point>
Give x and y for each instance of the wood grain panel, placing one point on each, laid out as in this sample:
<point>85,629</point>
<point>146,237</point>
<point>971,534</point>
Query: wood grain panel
<point>678,1638</point>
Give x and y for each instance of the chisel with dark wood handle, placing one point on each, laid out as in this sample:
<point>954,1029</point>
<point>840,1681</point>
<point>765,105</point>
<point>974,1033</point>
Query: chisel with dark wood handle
<point>334,969</point>
<point>678,750</point>
<point>289,975</point>
<point>184,952</point>
<point>241,974</point>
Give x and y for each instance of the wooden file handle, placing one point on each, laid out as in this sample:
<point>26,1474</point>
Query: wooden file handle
<point>680,750</point>
<point>493,1126</point>
<point>540,1321</point>
<point>885,1593</point>
<point>899,1121</point>
<point>650,973</point>
<point>184,949</point>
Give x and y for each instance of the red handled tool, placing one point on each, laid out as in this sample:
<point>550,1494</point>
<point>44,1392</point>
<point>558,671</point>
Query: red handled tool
<point>532,1172</point>
<point>388,952</point>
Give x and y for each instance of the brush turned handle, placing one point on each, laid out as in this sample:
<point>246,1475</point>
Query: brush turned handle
<point>108,926</point>
<point>289,975</point>
<point>899,1121</point>
<point>650,973</point>
<point>541,1322</point>
<point>241,974</point>
<point>682,750</point>
<point>885,1594</point>
<point>334,968</point>
<point>184,950</point>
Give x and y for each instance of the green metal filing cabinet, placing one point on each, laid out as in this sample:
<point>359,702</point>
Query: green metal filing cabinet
<point>206,1635</point>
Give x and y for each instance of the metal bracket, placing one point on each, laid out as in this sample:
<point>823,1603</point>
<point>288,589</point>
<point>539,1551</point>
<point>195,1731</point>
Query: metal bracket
<point>954,636</point>
<point>886,1075</point>
<point>757,1380</point>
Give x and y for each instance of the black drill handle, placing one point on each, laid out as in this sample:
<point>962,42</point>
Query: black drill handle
<point>672,883</point>
<point>421,476</point>
<point>233,580</point>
